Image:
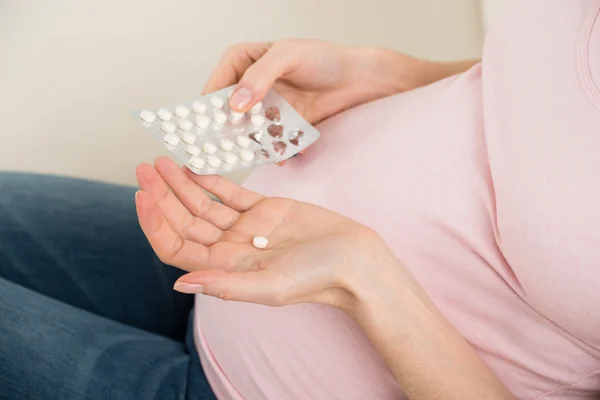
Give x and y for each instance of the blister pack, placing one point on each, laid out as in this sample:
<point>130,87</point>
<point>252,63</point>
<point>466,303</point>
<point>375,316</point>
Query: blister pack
<point>210,138</point>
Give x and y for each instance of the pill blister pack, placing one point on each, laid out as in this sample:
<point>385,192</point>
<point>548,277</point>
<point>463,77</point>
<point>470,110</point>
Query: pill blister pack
<point>210,138</point>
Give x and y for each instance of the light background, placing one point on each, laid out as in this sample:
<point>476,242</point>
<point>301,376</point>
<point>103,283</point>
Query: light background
<point>71,71</point>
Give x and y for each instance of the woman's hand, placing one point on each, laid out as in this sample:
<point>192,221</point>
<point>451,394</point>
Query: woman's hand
<point>318,78</point>
<point>311,255</point>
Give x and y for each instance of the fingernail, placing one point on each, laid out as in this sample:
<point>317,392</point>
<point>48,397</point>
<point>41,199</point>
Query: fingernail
<point>241,98</point>
<point>189,288</point>
<point>136,194</point>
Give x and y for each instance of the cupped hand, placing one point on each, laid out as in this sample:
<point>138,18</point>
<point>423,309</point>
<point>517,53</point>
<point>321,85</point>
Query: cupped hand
<point>318,78</point>
<point>311,254</point>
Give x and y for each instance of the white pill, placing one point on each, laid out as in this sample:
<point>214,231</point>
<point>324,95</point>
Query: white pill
<point>257,120</point>
<point>199,107</point>
<point>242,141</point>
<point>213,161</point>
<point>168,127</point>
<point>256,108</point>
<point>147,116</point>
<point>164,114</point>
<point>226,144</point>
<point>260,242</point>
<point>182,111</point>
<point>247,155</point>
<point>172,139</point>
<point>209,148</point>
<point>197,162</point>
<point>192,150</point>
<point>230,158</point>
<point>217,102</point>
<point>202,121</point>
<point>185,125</point>
<point>236,116</point>
<point>188,137</point>
<point>219,117</point>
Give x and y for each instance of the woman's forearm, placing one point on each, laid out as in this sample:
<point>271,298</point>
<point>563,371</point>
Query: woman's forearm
<point>426,353</point>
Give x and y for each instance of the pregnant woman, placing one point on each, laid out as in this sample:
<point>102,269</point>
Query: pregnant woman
<point>442,243</point>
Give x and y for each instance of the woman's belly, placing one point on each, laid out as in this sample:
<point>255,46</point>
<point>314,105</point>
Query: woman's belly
<point>414,167</point>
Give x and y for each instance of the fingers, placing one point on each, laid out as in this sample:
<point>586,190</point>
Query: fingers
<point>259,77</point>
<point>168,246</point>
<point>233,64</point>
<point>231,194</point>
<point>193,197</point>
<point>260,287</point>
<point>183,223</point>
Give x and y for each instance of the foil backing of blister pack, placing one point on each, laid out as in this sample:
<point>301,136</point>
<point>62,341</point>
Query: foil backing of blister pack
<point>210,138</point>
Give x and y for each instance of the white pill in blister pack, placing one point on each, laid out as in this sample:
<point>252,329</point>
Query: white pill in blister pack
<point>217,102</point>
<point>192,150</point>
<point>197,162</point>
<point>147,116</point>
<point>185,125</point>
<point>168,127</point>
<point>226,144</point>
<point>219,117</point>
<point>172,139</point>
<point>230,158</point>
<point>203,121</point>
<point>188,137</point>
<point>242,141</point>
<point>247,155</point>
<point>257,120</point>
<point>182,111</point>
<point>208,136</point>
<point>164,114</point>
<point>199,107</point>
<point>213,161</point>
<point>260,242</point>
<point>209,148</point>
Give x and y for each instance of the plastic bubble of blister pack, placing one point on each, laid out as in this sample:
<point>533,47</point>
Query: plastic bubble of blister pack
<point>210,138</point>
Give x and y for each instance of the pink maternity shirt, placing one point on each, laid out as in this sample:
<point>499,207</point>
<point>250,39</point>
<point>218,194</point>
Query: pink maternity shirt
<point>487,186</point>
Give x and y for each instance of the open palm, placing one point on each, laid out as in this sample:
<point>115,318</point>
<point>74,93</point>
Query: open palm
<point>309,246</point>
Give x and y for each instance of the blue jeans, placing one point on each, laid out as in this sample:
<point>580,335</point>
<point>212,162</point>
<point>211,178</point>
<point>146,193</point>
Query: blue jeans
<point>86,309</point>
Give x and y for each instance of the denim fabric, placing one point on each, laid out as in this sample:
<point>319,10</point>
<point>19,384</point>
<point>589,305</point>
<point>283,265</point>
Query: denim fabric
<point>86,309</point>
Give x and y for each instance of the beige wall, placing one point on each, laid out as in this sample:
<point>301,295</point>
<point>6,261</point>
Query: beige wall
<point>71,70</point>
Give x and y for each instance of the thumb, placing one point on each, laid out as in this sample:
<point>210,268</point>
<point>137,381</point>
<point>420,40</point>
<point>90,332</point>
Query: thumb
<point>252,287</point>
<point>260,77</point>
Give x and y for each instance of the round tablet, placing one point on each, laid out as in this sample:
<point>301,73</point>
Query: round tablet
<point>188,137</point>
<point>260,242</point>
<point>219,117</point>
<point>236,116</point>
<point>226,144</point>
<point>185,125</point>
<point>256,108</point>
<point>217,102</point>
<point>230,158</point>
<point>182,111</point>
<point>172,139</point>
<point>197,162</point>
<point>209,148</point>
<point>202,121</point>
<point>199,107</point>
<point>192,150</point>
<point>257,120</point>
<point>242,141</point>
<point>247,155</point>
<point>168,127</point>
<point>213,161</point>
<point>147,116</point>
<point>164,114</point>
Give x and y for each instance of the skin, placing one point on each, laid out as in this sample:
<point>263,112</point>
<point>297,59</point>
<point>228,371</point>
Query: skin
<point>314,255</point>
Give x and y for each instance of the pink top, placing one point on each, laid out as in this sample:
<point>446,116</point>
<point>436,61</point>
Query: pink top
<point>487,186</point>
